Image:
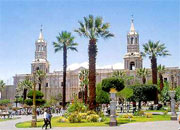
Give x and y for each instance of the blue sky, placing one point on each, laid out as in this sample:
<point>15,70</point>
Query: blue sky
<point>20,22</point>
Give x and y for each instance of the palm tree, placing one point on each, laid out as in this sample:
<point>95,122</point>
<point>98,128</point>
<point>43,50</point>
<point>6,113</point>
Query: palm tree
<point>40,75</point>
<point>153,50</point>
<point>122,75</point>
<point>142,73</point>
<point>119,74</point>
<point>65,41</point>
<point>93,28</point>
<point>84,81</point>
<point>25,86</point>
<point>161,70</point>
<point>2,86</point>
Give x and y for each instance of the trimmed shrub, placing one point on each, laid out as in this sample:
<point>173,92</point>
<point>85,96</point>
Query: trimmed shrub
<point>39,94</point>
<point>112,82</point>
<point>39,100</point>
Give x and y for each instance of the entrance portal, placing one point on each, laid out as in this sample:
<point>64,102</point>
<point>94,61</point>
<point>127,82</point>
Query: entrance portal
<point>132,66</point>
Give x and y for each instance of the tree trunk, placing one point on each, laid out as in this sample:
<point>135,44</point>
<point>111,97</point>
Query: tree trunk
<point>24,94</point>
<point>154,75</point>
<point>39,86</point>
<point>85,94</point>
<point>144,79</point>
<point>64,76</point>
<point>92,73</point>
<point>161,81</point>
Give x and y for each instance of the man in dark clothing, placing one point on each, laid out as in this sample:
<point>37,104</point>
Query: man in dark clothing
<point>49,116</point>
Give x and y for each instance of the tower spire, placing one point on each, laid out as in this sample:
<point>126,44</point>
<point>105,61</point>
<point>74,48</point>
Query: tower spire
<point>40,35</point>
<point>132,29</point>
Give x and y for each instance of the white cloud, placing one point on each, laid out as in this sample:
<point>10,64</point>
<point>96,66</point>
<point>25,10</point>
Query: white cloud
<point>74,66</point>
<point>77,65</point>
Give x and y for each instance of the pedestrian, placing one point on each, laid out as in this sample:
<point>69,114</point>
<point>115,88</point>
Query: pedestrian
<point>49,116</point>
<point>45,119</point>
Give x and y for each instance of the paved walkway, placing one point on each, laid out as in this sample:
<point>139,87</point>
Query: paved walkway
<point>160,125</point>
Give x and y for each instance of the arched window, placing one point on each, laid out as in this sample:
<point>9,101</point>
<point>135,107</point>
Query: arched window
<point>132,40</point>
<point>132,66</point>
<point>136,40</point>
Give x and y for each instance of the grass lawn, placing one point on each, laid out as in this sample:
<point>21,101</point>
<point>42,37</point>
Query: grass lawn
<point>120,120</point>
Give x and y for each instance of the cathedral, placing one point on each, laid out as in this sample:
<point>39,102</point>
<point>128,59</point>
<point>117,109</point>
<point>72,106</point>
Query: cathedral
<point>52,84</point>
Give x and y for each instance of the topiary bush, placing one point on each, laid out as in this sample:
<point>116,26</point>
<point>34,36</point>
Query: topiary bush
<point>39,100</point>
<point>112,82</point>
<point>39,94</point>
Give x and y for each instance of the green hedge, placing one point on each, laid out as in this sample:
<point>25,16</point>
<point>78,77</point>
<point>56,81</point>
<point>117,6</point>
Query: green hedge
<point>4,102</point>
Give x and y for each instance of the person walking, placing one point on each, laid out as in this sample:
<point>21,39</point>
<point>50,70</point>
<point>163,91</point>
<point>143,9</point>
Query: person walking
<point>49,116</point>
<point>45,120</point>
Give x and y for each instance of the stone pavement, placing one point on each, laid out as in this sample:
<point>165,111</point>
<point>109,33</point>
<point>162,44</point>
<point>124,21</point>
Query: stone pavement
<point>159,125</point>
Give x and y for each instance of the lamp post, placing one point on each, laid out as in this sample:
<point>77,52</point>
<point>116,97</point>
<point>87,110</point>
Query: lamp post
<point>33,123</point>
<point>173,102</point>
<point>113,121</point>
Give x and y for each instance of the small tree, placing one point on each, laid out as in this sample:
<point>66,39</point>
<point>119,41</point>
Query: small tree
<point>84,81</point>
<point>101,96</point>
<point>161,70</point>
<point>126,93</point>
<point>143,92</point>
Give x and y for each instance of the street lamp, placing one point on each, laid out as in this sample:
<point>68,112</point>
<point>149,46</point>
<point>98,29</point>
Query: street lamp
<point>173,102</point>
<point>113,121</point>
<point>33,123</point>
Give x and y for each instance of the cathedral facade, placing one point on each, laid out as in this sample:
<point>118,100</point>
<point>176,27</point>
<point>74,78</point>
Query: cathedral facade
<point>52,84</point>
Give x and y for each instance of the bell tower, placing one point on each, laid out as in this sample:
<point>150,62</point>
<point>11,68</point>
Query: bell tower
<point>132,58</point>
<point>40,62</point>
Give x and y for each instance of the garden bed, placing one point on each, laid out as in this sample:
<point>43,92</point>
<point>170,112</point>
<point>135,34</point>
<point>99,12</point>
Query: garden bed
<point>121,120</point>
